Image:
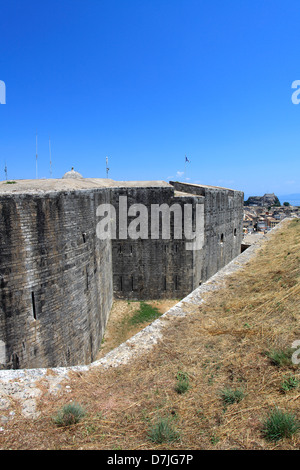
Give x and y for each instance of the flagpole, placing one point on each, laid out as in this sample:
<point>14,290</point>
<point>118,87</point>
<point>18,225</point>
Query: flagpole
<point>50,158</point>
<point>36,156</point>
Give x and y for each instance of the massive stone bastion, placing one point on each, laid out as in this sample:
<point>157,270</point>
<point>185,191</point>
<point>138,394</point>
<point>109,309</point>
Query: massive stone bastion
<point>59,277</point>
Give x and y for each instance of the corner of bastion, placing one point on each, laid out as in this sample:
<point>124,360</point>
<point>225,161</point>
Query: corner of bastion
<point>60,268</point>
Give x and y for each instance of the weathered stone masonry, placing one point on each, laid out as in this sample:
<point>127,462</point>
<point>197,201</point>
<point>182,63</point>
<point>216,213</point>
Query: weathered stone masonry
<point>58,279</point>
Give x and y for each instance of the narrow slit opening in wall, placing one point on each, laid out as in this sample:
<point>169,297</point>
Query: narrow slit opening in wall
<point>15,361</point>
<point>222,238</point>
<point>84,237</point>
<point>234,232</point>
<point>33,305</point>
<point>120,249</point>
<point>131,249</point>
<point>165,282</point>
<point>176,282</point>
<point>131,283</point>
<point>121,283</point>
<point>91,347</point>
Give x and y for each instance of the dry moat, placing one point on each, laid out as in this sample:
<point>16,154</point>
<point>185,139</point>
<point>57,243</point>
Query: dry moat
<point>121,325</point>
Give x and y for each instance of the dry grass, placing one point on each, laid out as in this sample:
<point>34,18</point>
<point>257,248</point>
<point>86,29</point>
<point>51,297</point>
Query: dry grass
<point>221,343</point>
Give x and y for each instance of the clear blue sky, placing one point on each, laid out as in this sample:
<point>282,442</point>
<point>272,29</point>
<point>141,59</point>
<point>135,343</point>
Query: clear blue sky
<point>146,82</point>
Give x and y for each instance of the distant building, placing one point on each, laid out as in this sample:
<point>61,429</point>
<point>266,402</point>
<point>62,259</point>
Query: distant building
<point>271,222</point>
<point>261,225</point>
<point>265,201</point>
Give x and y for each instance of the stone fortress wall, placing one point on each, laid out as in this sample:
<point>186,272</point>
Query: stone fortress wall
<point>58,279</point>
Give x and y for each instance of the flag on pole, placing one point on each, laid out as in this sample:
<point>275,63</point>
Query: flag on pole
<point>185,162</point>
<point>107,169</point>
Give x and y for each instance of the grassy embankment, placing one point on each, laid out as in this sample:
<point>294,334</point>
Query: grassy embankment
<point>210,384</point>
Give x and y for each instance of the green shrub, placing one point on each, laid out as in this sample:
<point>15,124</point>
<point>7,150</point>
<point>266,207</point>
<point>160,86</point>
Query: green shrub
<point>183,383</point>
<point>162,431</point>
<point>69,414</point>
<point>230,396</point>
<point>279,424</point>
<point>214,439</point>
<point>280,357</point>
<point>289,383</point>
